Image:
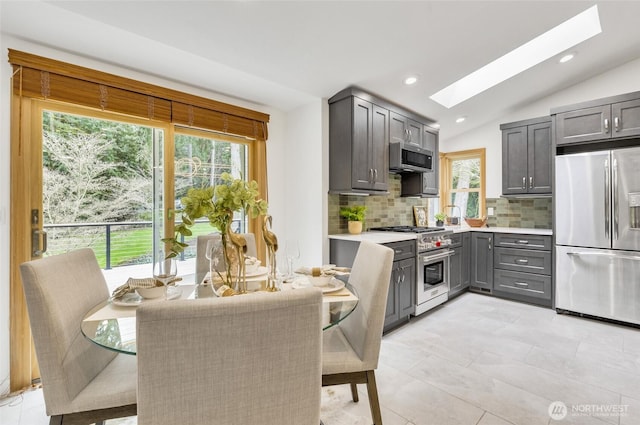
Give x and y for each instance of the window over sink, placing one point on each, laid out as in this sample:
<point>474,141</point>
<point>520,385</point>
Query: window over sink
<point>463,183</point>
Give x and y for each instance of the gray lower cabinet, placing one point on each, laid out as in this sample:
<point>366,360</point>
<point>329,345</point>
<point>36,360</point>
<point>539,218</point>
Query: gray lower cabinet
<point>402,287</point>
<point>460,263</point>
<point>481,262</point>
<point>598,120</point>
<point>401,299</point>
<point>527,157</point>
<point>522,268</point>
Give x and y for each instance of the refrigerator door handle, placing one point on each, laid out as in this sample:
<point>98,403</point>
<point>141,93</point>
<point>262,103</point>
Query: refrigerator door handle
<point>607,207</point>
<point>615,199</point>
<point>604,254</point>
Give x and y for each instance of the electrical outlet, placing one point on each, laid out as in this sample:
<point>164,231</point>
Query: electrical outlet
<point>490,211</point>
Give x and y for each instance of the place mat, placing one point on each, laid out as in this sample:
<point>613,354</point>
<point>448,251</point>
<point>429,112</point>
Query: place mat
<point>111,311</point>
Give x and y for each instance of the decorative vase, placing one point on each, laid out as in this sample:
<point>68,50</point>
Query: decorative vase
<point>355,227</point>
<point>439,223</point>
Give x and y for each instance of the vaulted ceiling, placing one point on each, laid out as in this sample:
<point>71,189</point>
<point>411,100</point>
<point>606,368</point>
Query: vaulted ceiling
<point>285,53</point>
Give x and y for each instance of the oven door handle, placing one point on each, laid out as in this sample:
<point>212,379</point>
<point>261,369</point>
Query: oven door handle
<point>439,256</point>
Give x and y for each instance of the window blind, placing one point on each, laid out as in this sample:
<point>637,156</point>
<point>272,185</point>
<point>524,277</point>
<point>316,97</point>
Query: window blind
<point>42,78</point>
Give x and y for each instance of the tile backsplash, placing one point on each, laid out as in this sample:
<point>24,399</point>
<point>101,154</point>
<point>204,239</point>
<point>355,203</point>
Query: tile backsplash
<point>394,210</point>
<point>520,212</point>
<point>389,210</point>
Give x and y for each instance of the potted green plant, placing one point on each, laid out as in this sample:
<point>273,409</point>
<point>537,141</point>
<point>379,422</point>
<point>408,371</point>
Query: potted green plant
<point>218,204</point>
<point>440,217</point>
<point>355,216</point>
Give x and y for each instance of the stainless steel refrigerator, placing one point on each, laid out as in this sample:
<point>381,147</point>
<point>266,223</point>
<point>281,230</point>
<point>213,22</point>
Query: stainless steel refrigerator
<point>597,227</point>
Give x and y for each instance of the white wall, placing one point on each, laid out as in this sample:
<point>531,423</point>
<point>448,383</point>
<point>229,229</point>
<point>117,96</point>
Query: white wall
<point>291,182</point>
<point>303,192</point>
<point>623,79</point>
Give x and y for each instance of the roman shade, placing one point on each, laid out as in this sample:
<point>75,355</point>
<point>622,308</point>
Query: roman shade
<point>42,78</point>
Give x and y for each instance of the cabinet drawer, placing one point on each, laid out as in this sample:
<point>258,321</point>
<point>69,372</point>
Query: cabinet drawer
<point>403,249</point>
<point>527,284</point>
<point>522,260</point>
<point>517,240</point>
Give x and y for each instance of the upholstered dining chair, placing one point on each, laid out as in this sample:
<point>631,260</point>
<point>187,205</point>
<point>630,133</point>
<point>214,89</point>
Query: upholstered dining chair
<point>350,350</point>
<point>202,263</point>
<point>249,359</point>
<point>81,382</point>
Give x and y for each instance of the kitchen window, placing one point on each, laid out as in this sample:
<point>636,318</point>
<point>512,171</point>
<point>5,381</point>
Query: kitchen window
<point>463,183</point>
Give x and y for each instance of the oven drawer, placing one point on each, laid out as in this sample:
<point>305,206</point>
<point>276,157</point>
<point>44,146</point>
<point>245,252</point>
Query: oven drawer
<point>403,249</point>
<point>516,240</point>
<point>522,260</point>
<point>526,284</point>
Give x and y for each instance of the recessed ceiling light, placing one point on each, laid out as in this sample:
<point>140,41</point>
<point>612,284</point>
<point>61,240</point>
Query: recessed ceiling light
<point>410,80</point>
<point>460,119</point>
<point>566,35</point>
<point>566,58</point>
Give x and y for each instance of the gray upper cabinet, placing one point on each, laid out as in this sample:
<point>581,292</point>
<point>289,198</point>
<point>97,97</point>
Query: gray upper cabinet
<point>431,181</point>
<point>404,129</point>
<point>358,146</point>
<point>424,184</point>
<point>527,157</point>
<point>598,120</point>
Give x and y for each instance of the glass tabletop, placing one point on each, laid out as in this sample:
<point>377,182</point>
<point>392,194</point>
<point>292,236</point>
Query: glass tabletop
<point>114,326</point>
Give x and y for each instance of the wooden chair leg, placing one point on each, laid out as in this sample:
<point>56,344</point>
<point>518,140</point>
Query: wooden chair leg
<point>374,402</point>
<point>354,392</point>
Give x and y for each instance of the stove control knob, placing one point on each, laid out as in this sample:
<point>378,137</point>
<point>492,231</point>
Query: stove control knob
<point>438,243</point>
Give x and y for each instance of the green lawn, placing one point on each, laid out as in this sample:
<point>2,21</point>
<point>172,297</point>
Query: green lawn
<point>128,246</point>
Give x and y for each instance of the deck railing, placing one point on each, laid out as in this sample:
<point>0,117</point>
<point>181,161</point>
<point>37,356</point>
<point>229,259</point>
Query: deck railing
<point>125,242</point>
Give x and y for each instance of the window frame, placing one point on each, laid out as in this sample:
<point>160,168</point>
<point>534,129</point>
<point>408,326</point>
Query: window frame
<point>446,173</point>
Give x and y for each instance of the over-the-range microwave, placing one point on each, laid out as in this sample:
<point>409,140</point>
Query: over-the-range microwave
<point>404,157</point>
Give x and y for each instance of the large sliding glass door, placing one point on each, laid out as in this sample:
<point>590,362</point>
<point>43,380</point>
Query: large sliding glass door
<point>200,159</point>
<point>103,187</point>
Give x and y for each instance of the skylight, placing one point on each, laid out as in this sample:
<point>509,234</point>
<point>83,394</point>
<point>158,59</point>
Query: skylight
<point>566,35</point>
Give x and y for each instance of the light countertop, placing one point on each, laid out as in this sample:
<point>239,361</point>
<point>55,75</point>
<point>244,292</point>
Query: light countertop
<point>388,237</point>
<point>375,237</point>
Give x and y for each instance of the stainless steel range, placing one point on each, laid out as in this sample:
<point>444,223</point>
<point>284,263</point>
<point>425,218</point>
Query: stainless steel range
<point>432,264</point>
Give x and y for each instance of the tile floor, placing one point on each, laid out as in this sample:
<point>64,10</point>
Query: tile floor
<point>478,360</point>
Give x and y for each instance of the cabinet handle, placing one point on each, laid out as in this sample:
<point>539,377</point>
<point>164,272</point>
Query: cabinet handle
<point>530,182</point>
<point>616,123</point>
<point>375,174</point>
<point>490,244</point>
<point>522,241</point>
<point>522,261</point>
<point>524,182</point>
<point>606,125</point>
<point>370,174</point>
<point>521,284</point>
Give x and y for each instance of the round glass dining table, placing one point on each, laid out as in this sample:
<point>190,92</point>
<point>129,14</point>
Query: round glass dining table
<point>112,325</point>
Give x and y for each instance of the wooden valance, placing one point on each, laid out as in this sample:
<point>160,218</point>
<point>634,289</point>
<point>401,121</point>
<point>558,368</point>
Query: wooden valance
<point>42,78</point>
